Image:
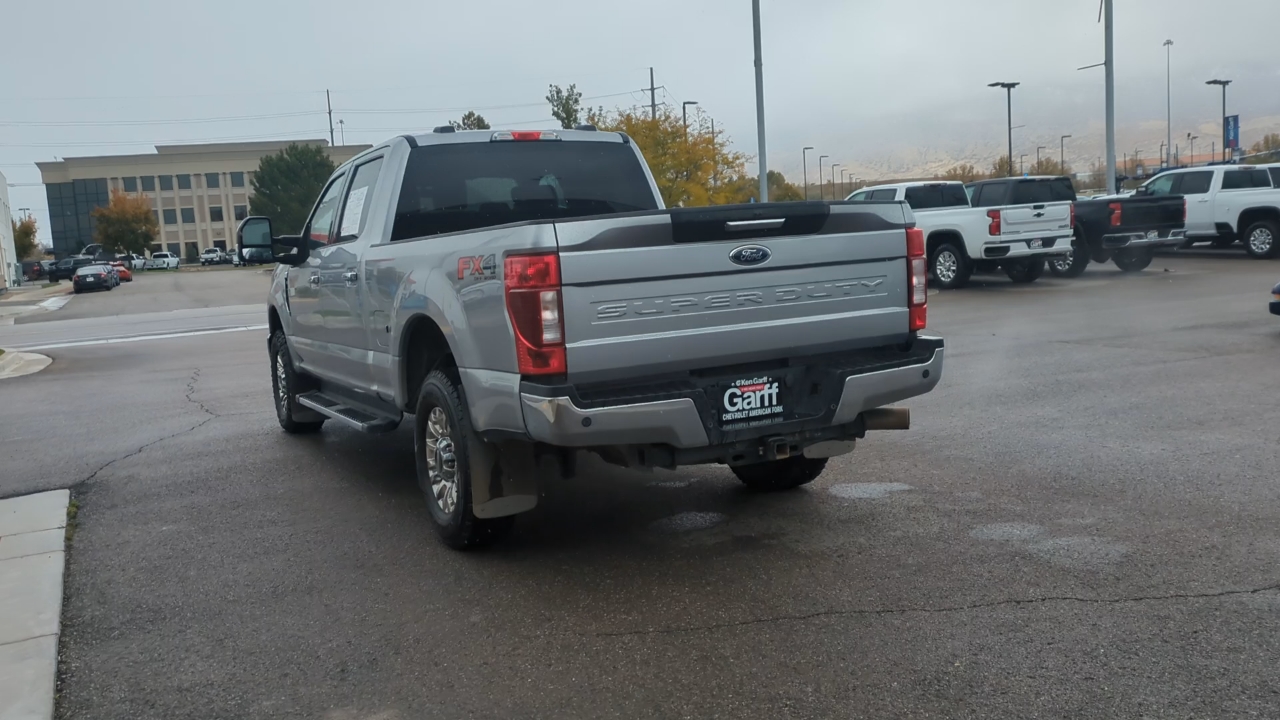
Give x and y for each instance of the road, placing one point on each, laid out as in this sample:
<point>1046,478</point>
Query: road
<point>1083,522</point>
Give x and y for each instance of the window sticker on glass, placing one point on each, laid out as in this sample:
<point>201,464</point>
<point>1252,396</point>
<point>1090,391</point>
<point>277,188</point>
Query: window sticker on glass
<point>351,216</point>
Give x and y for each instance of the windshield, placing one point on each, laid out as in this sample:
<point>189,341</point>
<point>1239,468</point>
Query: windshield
<point>456,187</point>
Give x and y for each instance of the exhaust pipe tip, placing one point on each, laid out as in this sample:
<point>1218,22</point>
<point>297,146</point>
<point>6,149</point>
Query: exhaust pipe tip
<point>887,419</point>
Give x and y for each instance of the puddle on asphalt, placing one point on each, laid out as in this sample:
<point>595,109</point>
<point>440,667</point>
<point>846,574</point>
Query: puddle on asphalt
<point>867,491</point>
<point>1013,532</point>
<point>687,522</point>
<point>1080,552</point>
<point>670,484</point>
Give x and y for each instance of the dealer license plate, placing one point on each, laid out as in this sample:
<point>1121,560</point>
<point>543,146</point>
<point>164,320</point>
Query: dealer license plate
<point>1036,244</point>
<point>751,401</point>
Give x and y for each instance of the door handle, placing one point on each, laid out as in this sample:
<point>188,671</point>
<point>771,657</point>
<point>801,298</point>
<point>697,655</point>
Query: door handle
<point>350,277</point>
<point>314,280</point>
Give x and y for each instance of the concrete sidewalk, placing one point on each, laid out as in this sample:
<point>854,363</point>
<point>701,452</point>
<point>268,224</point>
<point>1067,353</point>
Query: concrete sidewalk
<point>32,536</point>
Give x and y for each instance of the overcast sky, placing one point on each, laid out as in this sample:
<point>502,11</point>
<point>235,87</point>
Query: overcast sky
<point>879,85</point>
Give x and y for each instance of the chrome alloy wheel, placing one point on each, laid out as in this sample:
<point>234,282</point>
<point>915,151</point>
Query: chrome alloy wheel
<point>442,461</point>
<point>1063,263</point>
<point>282,383</point>
<point>1260,241</point>
<point>945,266</point>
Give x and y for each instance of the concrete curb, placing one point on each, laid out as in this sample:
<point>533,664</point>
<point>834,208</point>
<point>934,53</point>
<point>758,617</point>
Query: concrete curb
<point>32,561</point>
<point>14,363</point>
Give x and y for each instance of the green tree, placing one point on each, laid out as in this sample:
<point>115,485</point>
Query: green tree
<point>964,172</point>
<point>286,185</point>
<point>471,121</point>
<point>566,105</point>
<point>24,239</point>
<point>127,224</point>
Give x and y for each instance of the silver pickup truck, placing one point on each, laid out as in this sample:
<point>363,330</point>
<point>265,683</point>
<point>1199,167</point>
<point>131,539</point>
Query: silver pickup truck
<point>525,296</point>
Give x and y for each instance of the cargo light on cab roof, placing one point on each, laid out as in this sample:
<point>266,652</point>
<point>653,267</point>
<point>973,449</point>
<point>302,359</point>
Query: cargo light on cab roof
<point>523,135</point>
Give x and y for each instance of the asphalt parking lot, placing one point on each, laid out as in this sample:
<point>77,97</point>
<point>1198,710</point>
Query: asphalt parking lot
<point>1082,522</point>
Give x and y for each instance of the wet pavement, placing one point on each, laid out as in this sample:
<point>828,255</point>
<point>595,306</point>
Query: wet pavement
<point>1083,522</point>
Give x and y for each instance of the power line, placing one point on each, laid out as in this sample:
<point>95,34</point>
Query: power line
<point>178,121</point>
<point>355,111</point>
<point>317,134</point>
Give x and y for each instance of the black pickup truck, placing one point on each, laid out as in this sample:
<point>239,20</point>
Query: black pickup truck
<point>1124,229</point>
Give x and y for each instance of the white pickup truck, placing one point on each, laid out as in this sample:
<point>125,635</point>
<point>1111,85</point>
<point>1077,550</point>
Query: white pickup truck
<point>162,261</point>
<point>1017,237</point>
<point>1225,203</point>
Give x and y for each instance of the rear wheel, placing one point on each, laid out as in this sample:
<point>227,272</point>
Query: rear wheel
<point>777,475</point>
<point>1133,260</point>
<point>950,267</point>
<point>1260,239</point>
<point>1072,264</point>
<point>286,384</point>
<point>1024,271</point>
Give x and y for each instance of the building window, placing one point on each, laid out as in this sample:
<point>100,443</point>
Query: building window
<point>237,179</point>
<point>184,182</point>
<point>130,184</point>
<point>215,213</point>
<point>188,215</point>
<point>242,212</point>
<point>211,180</point>
<point>174,248</point>
<point>220,244</point>
<point>166,182</point>
<point>157,214</point>
<point>148,183</point>
<point>170,216</point>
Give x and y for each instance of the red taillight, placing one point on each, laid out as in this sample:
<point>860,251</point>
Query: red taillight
<point>1073,214</point>
<point>1116,210</point>
<point>532,286</point>
<point>526,135</point>
<point>917,280</point>
<point>523,135</point>
<point>994,228</point>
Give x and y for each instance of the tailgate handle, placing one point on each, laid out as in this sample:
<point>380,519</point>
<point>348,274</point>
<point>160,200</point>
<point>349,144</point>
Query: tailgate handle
<point>1038,207</point>
<point>738,225</point>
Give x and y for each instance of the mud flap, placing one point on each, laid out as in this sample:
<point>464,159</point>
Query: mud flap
<point>504,478</point>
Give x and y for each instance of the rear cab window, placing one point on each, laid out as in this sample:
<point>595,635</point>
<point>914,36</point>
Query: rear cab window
<point>1040,191</point>
<point>991,194</point>
<point>450,188</point>
<point>1250,179</point>
<point>928,197</point>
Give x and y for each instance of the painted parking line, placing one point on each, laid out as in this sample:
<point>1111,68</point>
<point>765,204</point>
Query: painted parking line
<point>139,338</point>
<point>54,303</point>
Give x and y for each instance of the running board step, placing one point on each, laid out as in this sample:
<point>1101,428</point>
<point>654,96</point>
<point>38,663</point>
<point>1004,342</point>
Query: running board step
<point>358,418</point>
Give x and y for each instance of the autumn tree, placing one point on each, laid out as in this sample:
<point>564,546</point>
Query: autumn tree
<point>1268,143</point>
<point>566,105</point>
<point>24,239</point>
<point>471,121</point>
<point>286,185</point>
<point>1000,168</point>
<point>127,224</point>
<point>964,172</point>
<point>1049,166</point>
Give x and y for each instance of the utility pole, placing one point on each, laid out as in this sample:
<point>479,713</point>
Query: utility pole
<point>804,162</point>
<point>715,156</point>
<point>1109,62</point>
<point>822,193</point>
<point>329,104</point>
<point>1168,102</point>
<point>764,164</point>
<point>653,97</point>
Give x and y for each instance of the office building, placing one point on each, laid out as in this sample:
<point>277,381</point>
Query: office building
<point>198,192</point>
<point>9,260</point>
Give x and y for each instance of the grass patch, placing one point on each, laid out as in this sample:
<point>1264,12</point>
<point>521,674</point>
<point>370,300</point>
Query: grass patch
<point>73,510</point>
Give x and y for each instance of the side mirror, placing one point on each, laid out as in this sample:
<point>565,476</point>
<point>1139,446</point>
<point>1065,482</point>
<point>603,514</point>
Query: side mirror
<point>254,237</point>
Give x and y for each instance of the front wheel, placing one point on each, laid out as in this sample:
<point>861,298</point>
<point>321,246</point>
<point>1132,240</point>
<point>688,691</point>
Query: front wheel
<point>1025,271</point>
<point>950,267</point>
<point>777,475</point>
<point>1133,260</point>
<point>1260,239</point>
<point>286,384</point>
<point>442,438</point>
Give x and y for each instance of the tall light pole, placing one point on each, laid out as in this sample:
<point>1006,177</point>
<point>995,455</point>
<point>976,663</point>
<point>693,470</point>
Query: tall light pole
<point>1062,153</point>
<point>342,131</point>
<point>843,192</point>
<point>1224,84</point>
<point>1008,88</point>
<point>1038,149</point>
<point>684,113</point>
<point>833,179</point>
<point>1168,102</point>
<point>764,165</point>
<point>1191,159</point>
<point>1108,61</point>
<point>1022,159</point>
<point>822,194</point>
<point>804,161</point>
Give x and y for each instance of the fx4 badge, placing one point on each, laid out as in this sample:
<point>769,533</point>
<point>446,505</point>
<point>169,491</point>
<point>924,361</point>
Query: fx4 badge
<point>481,266</point>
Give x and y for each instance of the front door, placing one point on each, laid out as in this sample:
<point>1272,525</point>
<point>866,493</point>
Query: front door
<point>304,283</point>
<point>1194,187</point>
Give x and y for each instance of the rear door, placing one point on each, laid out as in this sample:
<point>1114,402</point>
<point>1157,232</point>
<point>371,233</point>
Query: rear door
<point>701,289</point>
<point>1195,187</point>
<point>1242,188</point>
<point>1038,207</point>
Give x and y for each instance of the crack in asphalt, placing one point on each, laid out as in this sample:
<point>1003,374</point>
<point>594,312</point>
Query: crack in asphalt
<point>940,610</point>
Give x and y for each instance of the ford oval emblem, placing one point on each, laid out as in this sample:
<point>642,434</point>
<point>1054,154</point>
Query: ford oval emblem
<point>750,255</point>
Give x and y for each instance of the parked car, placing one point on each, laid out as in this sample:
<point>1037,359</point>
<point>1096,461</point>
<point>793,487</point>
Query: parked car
<point>1016,234</point>
<point>33,270</point>
<point>1127,230</point>
<point>212,256</point>
<point>1225,203</point>
<point>134,262</point>
<point>66,267</point>
<point>514,333</point>
<point>123,271</point>
<point>92,277</point>
<point>162,261</point>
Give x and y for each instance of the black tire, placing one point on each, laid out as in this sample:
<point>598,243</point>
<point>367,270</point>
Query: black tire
<point>778,475</point>
<point>286,384</point>
<point>1133,260</point>
<point>1260,239</point>
<point>1073,265</point>
<point>441,398</point>
<point>1024,271</point>
<point>950,267</point>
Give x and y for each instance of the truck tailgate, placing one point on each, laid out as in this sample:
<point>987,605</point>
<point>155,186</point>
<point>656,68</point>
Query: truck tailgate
<point>1149,213</point>
<point>687,289</point>
<point>1041,219</point>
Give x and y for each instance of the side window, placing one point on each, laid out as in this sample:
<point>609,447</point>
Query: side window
<point>318,230</point>
<point>354,217</point>
<point>883,195</point>
<point>1195,183</point>
<point>860,195</point>
<point>1275,176</point>
<point>1162,185</point>
<point>991,195</point>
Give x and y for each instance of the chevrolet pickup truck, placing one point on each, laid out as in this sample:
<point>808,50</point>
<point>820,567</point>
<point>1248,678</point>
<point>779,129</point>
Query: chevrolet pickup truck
<point>1225,203</point>
<point>961,239</point>
<point>1127,230</point>
<point>525,296</point>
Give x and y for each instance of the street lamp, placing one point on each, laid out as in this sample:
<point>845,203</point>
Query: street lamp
<point>1062,153</point>
<point>1022,159</point>
<point>822,194</point>
<point>761,156</point>
<point>1008,88</point>
<point>843,192</point>
<point>1191,156</point>
<point>1037,165</point>
<point>804,161</point>
<point>833,179</point>
<point>1168,101</point>
<point>1224,84</point>
<point>684,113</point>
